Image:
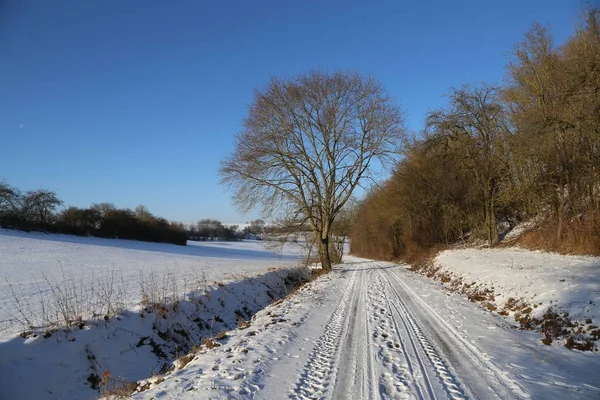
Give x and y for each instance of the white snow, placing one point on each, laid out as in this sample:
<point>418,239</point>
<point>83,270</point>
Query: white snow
<point>565,283</point>
<point>377,330</point>
<point>367,330</point>
<point>521,229</point>
<point>32,262</point>
<point>209,285</point>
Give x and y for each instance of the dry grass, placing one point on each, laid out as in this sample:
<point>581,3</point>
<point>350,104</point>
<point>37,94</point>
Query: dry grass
<point>119,389</point>
<point>148,384</point>
<point>416,256</point>
<point>577,238</point>
<point>221,335</point>
<point>210,343</point>
<point>68,302</point>
<point>242,323</point>
<point>181,362</point>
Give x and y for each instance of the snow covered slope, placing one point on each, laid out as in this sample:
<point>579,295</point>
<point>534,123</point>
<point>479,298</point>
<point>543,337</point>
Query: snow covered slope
<point>528,286</point>
<point>171,298</point>
<point>31,264</point>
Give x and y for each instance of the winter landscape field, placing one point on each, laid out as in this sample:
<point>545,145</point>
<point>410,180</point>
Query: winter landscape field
<point>290,200</point>
<point>366,330</point>
<point>50,282</point>
<point>31,264</point>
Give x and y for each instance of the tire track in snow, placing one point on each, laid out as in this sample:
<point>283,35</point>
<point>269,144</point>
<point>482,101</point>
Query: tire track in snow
<point>399,379</point>
<point>411,350</point>
<point>319,371</point>
<point>356,377</point>
<point>449,382</point>
<point>383,341</point>
<point>467,359</point>
<point>372,358</point>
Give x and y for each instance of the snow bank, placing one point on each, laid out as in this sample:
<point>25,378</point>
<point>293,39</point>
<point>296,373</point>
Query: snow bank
<point>132,306</point>
<point>109,355</point>
<point>538,281</point>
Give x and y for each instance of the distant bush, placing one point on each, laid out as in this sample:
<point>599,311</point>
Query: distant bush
<point>212,229</point>
<point>37,210</point>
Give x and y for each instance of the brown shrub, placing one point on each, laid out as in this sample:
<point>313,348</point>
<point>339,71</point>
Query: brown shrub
<point>211,344</point>
<point>422,257</point>
<point>578,237</point>
<point>548,339</point>
<point>580,344</point>
<point>185,360</point>
<point>242,323</point>
<point>480,295</point>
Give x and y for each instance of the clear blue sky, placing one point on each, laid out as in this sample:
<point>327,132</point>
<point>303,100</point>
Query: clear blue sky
<point>136,101</point>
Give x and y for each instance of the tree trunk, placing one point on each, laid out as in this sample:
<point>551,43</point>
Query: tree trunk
<point>324,253</point>
<point>338,250</point>
<point>560,194</point>
<point>493,231</point>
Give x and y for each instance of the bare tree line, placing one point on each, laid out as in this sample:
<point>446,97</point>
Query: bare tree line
<point>39,210</point>
<point>529,149</point>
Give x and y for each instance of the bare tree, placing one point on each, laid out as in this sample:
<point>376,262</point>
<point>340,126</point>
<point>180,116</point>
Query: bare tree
<point>210,228</point>
<point>257,227</point>
<point>143,214</point>
<point>40,205</point>
<point>103,209</point>
<point>477,125</point>
<point>307,143</point>
<point>9,198</point>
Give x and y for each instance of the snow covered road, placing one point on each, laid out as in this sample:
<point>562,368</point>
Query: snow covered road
<point>385,342</point>
<point>374,330</point>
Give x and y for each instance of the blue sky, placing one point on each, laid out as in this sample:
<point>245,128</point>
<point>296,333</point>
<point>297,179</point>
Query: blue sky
<point>136,101</point>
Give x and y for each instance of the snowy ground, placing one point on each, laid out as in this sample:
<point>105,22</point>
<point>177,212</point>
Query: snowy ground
<point>191,293</point>
<point>32,263</point>
<point>367,330</point>
<point>537,280</point>
<point>377,330</point>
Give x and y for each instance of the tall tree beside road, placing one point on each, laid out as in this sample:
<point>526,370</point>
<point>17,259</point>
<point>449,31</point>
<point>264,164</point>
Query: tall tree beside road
<point>308,142</point>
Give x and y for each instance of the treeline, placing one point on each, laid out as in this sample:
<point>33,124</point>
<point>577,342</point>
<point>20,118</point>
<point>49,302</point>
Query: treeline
<point>38,210</point>
<point>212,229</point>
<point>496,156</point>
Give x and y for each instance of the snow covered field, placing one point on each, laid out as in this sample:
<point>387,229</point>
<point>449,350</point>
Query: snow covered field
<point>207,288</point>
<point>30,263</point>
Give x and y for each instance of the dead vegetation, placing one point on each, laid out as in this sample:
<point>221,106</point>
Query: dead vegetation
<point>178,317</point>
<point>579,236</point>
<point>294,281</point>
<point>501,155</point>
